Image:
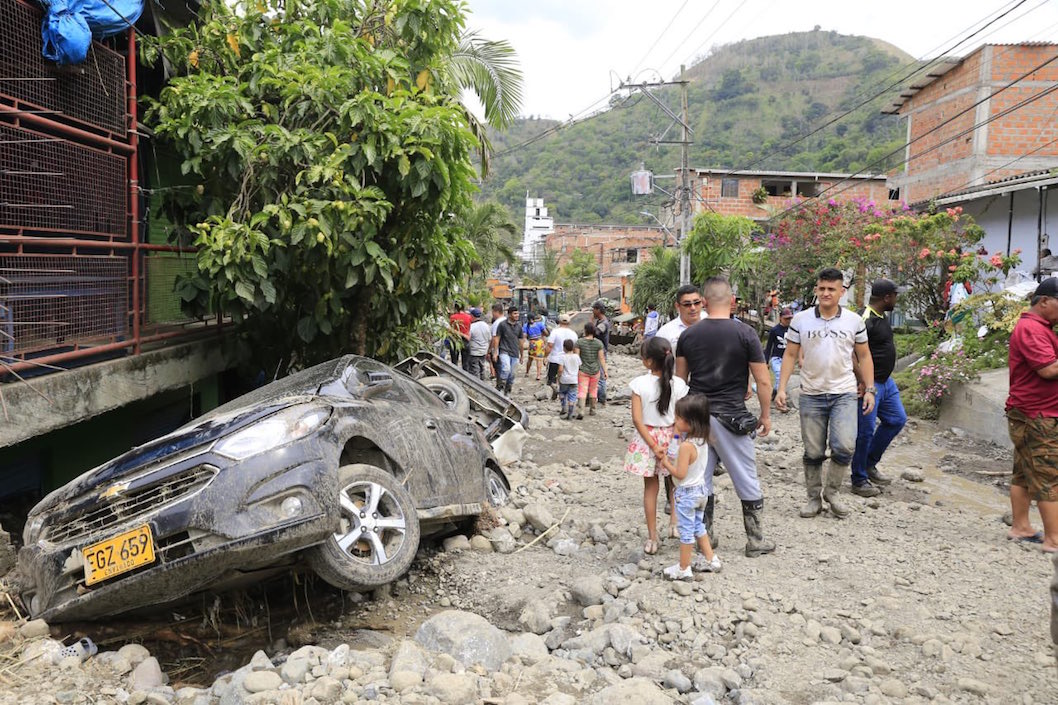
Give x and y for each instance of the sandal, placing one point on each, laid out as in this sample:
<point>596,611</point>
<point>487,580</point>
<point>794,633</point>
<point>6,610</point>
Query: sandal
<point>650,547</point>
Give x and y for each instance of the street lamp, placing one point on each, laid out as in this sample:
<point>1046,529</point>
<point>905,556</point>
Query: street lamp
<point>665,240</point>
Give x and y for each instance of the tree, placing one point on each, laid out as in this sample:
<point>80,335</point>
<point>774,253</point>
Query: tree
<point>544,271</point>
<point>720,244</point>
<point>578,270</point>
<point>331,169</point>
<point>489,228</point>
<point>656,280</point>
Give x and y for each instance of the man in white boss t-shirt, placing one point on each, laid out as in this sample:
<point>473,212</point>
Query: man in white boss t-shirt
<point>830,337</point>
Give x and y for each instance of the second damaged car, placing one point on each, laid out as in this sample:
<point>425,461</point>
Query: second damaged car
<point>341,467</point>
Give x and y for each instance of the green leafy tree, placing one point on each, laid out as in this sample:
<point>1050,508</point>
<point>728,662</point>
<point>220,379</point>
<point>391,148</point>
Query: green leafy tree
<point>656,280</point>
<point>545,271</point>
<point>489,228</point>
<point>721,244</point>
<point>333,160</point>
<point>578,270</point>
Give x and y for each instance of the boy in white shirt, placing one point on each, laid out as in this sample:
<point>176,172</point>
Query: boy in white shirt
<point>567,380</point>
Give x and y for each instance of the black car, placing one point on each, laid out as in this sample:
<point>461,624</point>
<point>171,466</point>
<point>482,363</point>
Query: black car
<point>342,466</point>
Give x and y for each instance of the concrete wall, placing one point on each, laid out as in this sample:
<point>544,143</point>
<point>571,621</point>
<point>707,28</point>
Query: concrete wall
<point>82,393</point>
<point>977,408</point>
<point>992,214</point>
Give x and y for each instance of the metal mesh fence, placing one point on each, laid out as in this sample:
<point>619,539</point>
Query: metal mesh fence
<point>163,303</point>
<point>49,183</point>
<point>92,93</point>
<point>54,301</point>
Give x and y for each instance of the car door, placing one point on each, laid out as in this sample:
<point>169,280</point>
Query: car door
<point>450,449</point>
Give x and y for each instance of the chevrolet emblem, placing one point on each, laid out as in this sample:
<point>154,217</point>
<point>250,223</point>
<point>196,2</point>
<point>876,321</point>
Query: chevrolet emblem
<point>114,490</point>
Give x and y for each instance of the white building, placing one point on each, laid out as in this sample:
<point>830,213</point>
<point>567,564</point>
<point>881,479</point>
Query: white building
<point>538,225</point>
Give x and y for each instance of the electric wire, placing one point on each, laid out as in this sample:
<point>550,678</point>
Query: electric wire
<point>693,30</point>
<point>716,30</point>
<point>659,37</point>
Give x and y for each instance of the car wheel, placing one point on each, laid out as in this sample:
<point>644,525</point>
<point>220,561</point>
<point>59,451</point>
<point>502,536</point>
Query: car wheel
<point>497,493</point>
<point>454,397</point>
<point>378,534</point>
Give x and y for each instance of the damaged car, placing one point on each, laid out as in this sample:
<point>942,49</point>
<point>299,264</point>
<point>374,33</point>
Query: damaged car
<point>341,467</point>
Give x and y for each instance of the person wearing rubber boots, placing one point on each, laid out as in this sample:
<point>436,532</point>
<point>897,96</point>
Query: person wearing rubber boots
<point>716,357</point>
<point>830,337</point>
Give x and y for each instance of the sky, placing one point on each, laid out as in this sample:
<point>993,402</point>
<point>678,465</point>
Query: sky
<point>573,52</point>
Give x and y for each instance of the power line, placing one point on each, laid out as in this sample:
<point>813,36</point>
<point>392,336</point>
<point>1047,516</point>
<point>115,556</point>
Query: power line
<point>693,30</point>
<point>718,28</point>
<point>784,148</point>
<point>573,120</point>
<point>654,45</point>
<point>942,124</point>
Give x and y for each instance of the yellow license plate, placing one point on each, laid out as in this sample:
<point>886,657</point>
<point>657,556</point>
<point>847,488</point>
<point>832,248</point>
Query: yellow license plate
<point>118,555</point>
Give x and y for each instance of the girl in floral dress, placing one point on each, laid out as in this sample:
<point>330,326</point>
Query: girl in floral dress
<point>654,397</point>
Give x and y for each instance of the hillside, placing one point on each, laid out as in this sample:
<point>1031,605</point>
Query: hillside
<point>746,99</point>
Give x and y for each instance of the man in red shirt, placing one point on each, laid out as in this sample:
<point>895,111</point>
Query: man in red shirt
<point>1032,415</point>
<point>460,321</point>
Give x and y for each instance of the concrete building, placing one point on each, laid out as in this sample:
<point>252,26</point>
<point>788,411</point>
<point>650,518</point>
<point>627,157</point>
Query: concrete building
<point>759,194</point>
<point>538,225</point>
<point>965,124</point>
<point>617,248</point>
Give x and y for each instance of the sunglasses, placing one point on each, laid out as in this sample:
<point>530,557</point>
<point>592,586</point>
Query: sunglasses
<point>688,304</point>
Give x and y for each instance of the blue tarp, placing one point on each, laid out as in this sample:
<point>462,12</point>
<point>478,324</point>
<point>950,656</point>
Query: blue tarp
<point>70,25</point>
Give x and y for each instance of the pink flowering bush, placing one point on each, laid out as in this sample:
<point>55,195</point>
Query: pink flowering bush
<point>940,372</point>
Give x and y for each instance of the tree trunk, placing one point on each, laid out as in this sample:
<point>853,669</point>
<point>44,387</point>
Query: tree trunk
<point>360,331</point>
<point>860,296</point>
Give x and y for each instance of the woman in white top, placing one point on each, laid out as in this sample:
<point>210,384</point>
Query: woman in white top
<point>692,486</point>
<point>654,397</point>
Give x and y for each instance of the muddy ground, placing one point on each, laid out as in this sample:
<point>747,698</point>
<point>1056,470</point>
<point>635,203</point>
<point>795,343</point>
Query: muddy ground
<point>929,601</point>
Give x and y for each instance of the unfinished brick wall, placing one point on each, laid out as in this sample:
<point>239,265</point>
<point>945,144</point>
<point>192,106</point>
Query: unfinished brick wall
<point>609,244</point>
<point>986,152</point>
<point>710,196</point>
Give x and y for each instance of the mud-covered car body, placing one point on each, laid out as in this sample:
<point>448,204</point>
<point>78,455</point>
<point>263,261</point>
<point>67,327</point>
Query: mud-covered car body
<point>256,482</point>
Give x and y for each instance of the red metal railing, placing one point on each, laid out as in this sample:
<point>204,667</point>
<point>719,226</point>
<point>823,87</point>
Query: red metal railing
<point>76,278</point>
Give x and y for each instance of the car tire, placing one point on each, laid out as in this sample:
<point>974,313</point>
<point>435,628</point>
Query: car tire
<point>454,397</point>
<point>388,550</point>
<point>497,491</point>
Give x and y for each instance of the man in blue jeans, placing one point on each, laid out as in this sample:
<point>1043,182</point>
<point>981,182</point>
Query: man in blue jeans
<point>830,337</point>
<point>776,347</point>
<point>888,410</point>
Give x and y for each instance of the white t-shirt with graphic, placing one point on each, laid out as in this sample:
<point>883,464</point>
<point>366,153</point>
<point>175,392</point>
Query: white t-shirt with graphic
<point>827,345</point>
<point>558,335</point>
<point>648,387</point>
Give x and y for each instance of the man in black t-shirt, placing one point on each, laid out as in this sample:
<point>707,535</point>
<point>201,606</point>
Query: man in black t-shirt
<point>715,357</point>
<point>776,346</point>
<point>888,409</point>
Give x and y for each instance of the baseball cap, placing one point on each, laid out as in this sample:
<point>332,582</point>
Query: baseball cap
<point>1048,287</point>
<point>786,313</point>
<point>563,318</point>
<point>475,312</point>
<point>882,287</point>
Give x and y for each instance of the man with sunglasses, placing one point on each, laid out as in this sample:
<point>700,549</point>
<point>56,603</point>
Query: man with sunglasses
<point>689,307</point>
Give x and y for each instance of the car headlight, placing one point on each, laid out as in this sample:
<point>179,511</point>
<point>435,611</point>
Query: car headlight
<point>271,432</point>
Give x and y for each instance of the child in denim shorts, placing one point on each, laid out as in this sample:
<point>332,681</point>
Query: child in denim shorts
<point>692,487</point>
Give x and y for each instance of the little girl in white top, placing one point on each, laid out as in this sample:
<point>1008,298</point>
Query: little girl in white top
<point>654,397</point>
<point>692,486</point>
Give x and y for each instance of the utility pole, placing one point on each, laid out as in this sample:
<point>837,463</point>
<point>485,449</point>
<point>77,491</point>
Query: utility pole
<point>684,189</point>
<point>685,186</point>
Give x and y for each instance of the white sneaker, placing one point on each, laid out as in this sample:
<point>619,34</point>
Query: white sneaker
<point>675,572</point>
<point>704,566</point>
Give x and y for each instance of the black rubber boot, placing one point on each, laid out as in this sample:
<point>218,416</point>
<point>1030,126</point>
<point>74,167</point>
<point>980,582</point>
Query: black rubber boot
<point>709,505</point>
<point>756,544</point>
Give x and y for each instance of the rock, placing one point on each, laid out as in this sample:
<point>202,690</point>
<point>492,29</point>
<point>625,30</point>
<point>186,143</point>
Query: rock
<point>913,475</point>
<point>456,543</point>
<point>453,688</point>
<point>588,590</point>
<point>676,679</point>
<point>623,637</point>
<point>407,667</point>
<point>539,516</point>
<point>466,637</point>
<point>503,540</point>
<point>634,690</point>
<point>34,629</point>
<point>295,669</point>
<point>480,543</point>
<point>559,699</point>
<point>708,681</point>
<point>893,688</point>
<point>147,674</point>
<point>682,588</point>
<point>830,635</point>
<point>653,666</point>
<point>133,653</point>
<point>528,646</point>
<point>536,617</point>
<point>972,686</point>
<point>260,681</point>
<point>326,689</point>
<point>565,547</point>
<point>261,662</point>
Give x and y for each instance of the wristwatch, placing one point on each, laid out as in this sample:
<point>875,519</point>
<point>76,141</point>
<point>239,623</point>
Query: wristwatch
<point>871,390</point>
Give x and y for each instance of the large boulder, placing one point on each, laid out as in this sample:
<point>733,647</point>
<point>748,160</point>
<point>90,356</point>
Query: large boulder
<point>466,637</point>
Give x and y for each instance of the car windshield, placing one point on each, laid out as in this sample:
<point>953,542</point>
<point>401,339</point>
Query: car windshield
<point>304,382</point>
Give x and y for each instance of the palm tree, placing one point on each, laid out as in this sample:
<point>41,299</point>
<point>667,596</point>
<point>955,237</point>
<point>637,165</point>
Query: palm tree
<point>494,235</point>
<point>488,69</point>
<point>656,280</point>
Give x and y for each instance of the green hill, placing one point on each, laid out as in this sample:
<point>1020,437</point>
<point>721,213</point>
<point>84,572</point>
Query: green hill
<point>746,100</point>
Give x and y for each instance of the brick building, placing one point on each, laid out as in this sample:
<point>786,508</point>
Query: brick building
<point>736,192</point>
<point>977,143</point>
<point>617,249</point>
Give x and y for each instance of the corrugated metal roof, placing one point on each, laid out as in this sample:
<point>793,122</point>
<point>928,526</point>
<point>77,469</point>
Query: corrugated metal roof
<point>787,174</point>
<point>1028,179</point>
